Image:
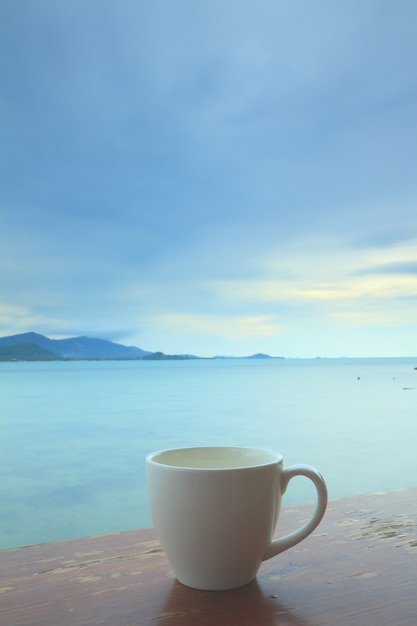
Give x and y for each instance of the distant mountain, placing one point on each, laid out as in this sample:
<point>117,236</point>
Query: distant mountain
<point>26,352</point>
<point>75,348</point>
<point>35,347</point>
<point>160,356</point>
<point>258,355</point>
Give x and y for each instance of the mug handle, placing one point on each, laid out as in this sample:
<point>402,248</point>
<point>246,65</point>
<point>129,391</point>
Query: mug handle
<point>283,543</point>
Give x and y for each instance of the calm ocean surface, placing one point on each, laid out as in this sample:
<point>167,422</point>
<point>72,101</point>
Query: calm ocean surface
<point>74,436</point>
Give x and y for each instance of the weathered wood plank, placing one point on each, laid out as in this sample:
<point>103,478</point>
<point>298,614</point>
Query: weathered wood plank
<point>359,567</point>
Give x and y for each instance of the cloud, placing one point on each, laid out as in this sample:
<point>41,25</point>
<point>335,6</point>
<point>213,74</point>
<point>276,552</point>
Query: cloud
<point>212,168</point>
<point>376,318</point>
<point>327,278</point>
<point>228,327</point>
<point>19,314</point>
<point>16,319</point>
<point>324,295</point>
<point>400,267</point>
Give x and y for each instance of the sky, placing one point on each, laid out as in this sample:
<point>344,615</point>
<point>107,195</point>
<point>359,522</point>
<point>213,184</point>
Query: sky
<point>212,178</point>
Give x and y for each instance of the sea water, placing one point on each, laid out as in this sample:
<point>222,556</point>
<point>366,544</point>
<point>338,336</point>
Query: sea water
<point>74,435</point>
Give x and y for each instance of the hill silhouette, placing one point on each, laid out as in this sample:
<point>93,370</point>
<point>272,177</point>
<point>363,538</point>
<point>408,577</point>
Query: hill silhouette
<point>73,348</point>
<point>27,352</point>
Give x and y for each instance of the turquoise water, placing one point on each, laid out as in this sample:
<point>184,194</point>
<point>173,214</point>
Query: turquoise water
<point>73,436</point>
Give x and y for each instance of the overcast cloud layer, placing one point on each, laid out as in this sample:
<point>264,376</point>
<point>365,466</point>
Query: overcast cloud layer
<point>221,177</point>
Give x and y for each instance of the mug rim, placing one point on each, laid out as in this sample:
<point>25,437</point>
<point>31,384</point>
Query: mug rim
<point>271,458</point>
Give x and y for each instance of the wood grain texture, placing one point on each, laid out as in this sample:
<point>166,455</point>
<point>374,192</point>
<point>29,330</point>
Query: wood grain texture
<point>359,568</point>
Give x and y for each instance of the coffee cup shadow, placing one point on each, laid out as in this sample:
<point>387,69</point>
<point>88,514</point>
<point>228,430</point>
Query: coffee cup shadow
<point>249,605</point>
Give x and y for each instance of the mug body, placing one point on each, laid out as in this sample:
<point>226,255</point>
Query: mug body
<point>215,511</point>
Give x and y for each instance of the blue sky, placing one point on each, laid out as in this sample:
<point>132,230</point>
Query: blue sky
<point>222,177</point>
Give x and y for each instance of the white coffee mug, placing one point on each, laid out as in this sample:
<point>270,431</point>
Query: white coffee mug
<point>215,510</point>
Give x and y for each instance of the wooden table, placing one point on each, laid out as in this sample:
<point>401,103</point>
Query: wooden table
<point>358,568</point>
